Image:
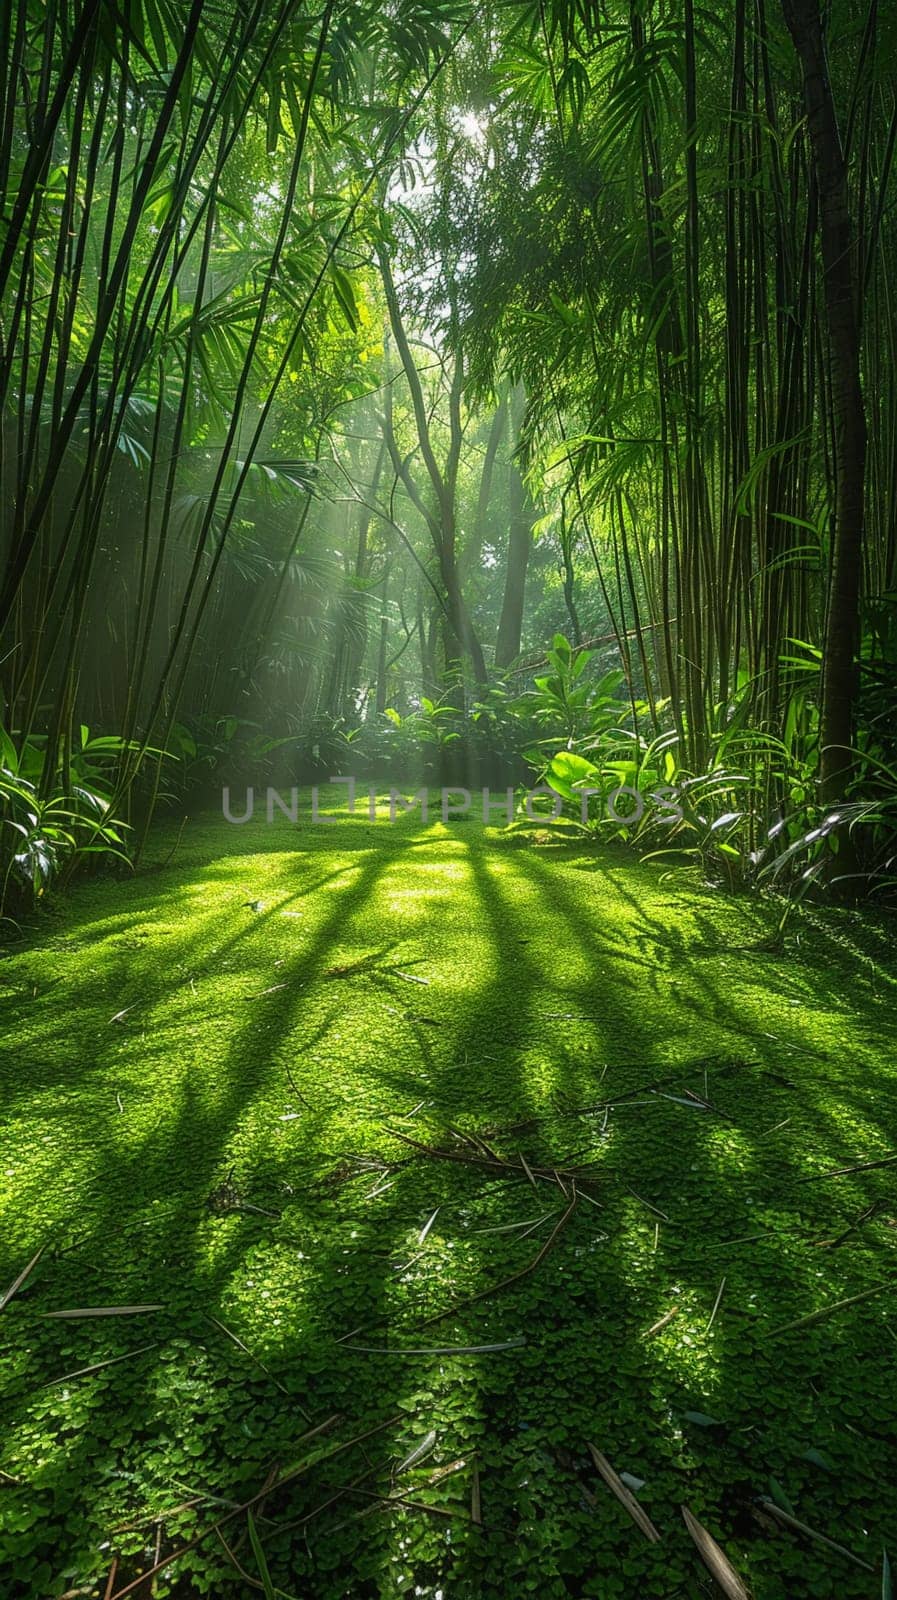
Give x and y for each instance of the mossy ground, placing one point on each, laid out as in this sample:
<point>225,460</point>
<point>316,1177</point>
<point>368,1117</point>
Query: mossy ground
<point>160,1034</point>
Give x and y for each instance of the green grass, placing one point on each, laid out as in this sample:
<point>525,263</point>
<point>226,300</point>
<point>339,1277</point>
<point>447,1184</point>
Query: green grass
<point>160,1035</point>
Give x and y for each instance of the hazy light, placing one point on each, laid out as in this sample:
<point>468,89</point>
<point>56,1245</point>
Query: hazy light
<point>474,128</point>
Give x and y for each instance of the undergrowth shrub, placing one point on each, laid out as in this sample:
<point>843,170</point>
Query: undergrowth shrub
<point>749,815</point>
<point>52,821</point>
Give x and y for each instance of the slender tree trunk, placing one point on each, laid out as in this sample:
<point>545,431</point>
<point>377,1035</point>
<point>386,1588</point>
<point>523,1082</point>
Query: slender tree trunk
<point>382,647</point>
<point>470,557</point>
<point>510,626</point>
<point>356,648</point>
<point>566,538</point>
<point>442,522</point>
<point>839,671</point>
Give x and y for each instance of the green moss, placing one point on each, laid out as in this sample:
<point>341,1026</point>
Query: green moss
<point>161,1036</point>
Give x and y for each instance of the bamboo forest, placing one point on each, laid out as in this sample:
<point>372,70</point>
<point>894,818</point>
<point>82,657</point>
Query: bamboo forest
<point>448,799</point>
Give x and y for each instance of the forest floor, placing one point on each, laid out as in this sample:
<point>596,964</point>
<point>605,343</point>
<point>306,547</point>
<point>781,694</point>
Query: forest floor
<point>308,1095</point>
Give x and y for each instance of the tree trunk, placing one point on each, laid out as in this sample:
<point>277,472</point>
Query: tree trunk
<point>440,519</point>
<point>382,653</point>
<point>507,647</point>
<point>356,647</point>
<point>473,550</point>
<point>569,599</point>
<point>839,670</point>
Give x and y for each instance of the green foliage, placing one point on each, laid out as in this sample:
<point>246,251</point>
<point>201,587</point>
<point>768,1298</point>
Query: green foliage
<point>50,822</point>
<point>752,816</point>
<point>567,702</point>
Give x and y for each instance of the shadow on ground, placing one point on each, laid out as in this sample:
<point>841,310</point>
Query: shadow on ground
<point>207,1073</point>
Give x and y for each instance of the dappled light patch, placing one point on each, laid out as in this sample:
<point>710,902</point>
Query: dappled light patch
<point>568,1195</point>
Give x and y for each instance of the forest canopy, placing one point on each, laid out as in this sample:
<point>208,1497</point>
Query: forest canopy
<point>353,358</point>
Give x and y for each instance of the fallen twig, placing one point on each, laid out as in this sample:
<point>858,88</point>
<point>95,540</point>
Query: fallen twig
<point>829,1311</point>
<point>120,1015</point>
<point>515,1227</point>
<point>156,1554</point>
<point>662,1322</point>
<point>716,1305</point>
<point>488,1158</point>
<point>261,993</point>
<point>656,1209</point>
<point>247,1505</point>
<point>156,1516</point>
<point>268,1589</point>
<point>787,1521</point>
<point>300,1522</point>
<point>401,1500</point>
<point>525,1166</point>
<point>260,1364</point>
<point>371,964</point>
<point>436,1349</point>
<point>514,1277</point>
<point>420,1452</point>
<point>746,1238</point>
<point>601,1106</point>
<point>296,1090</point>
<point>708,1105</point>
<point>831,1244</point>
<point>83,1372</point>
<point>840,1172</point>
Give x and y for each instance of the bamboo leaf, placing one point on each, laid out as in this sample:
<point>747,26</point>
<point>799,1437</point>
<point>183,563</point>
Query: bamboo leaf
<point>104,1311</point>
<point>345,294</point>
<point>427,1226</point>
<point>625,1496</point>
<point>715,1559</point>
<point>419,1453</point>
<point>25,1273</point>
<point>261,1561</point>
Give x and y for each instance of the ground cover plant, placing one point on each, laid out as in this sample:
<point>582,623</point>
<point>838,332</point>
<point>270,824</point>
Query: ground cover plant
<point>431,1170</point>
<point>495,399</point>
